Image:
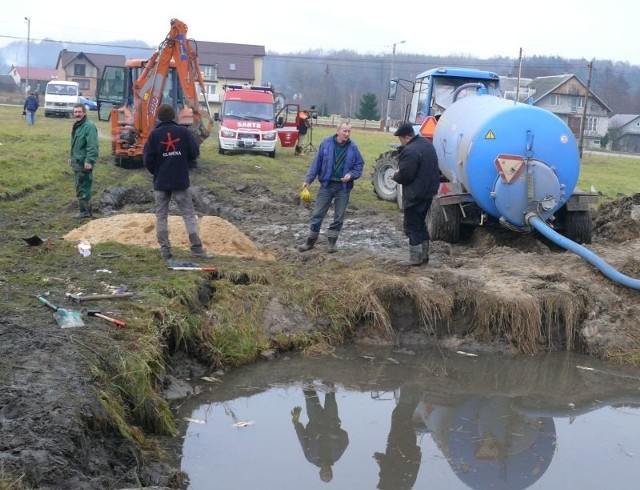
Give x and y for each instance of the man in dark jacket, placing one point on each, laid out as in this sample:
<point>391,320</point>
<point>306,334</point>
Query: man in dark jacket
<point>30,107</point>
<point>83,157</point>
<point>323,441</point>
<point>419,176</point>
<point>337,164</point>
<point>167,155</point>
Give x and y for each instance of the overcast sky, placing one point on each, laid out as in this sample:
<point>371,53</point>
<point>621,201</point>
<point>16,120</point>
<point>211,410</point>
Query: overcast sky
<point>590,29</point>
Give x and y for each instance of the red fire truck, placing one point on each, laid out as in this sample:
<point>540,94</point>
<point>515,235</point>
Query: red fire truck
<point>247,120</point>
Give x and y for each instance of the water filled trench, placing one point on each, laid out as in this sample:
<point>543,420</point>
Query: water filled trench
<point>373,417</point>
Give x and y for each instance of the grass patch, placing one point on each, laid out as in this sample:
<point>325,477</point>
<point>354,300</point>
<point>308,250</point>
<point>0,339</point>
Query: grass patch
<point>612,176</point>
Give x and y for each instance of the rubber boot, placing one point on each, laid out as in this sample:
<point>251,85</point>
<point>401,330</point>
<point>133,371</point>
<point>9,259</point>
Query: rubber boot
<point>415,256</point>
<point>84,210</point>
<point>309,244</point>
<point>332,244</point>
<point>425,252</point>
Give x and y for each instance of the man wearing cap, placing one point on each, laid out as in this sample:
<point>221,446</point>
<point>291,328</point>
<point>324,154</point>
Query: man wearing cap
<point>419,176</point>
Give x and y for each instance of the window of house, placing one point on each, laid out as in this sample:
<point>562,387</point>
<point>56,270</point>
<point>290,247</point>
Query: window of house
<point>209,72</point>
<point>555,99</point>
<point>79,70</point>
<point>211,89</point>
<point>592,124</point>
<point>232,66</point>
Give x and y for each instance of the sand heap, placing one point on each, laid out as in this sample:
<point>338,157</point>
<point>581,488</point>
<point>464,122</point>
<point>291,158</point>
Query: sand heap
<point>218,236</point>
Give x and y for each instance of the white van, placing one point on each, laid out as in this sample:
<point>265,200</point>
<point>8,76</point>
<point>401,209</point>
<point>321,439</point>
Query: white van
<point>60,97</point>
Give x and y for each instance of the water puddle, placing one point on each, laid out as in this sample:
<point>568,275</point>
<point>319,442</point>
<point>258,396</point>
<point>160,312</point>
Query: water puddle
<point>368,417</point>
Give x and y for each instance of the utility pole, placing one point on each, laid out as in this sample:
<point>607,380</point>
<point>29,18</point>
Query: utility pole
<point>393,57</point>
<point>519,73</point>
<point>584,110</point>
<point>28,19</point>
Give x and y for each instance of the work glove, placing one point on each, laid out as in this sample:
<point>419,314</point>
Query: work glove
<point>305,195</point>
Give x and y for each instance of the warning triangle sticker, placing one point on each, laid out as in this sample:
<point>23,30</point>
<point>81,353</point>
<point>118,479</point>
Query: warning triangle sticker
<point>509,167</point>
<point>490,135</point>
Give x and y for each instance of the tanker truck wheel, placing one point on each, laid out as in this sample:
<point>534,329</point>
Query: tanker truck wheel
<point>444,222</point>
<point>386,166</point>
<point>578,226</point>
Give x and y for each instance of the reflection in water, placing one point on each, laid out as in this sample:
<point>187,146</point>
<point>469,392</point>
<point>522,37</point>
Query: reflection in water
<point>399,465</point>
<point>428,420</point>
<point>323,440</point>
<point>487,443</point>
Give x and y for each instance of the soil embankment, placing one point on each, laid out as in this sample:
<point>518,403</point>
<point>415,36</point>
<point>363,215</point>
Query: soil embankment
<point>499,286</point>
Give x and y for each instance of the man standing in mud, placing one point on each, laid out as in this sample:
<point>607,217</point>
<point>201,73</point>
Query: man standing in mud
<point>323,441</point>
<point>167,155</point>
<point>337,164</point>
<point>419,175</point>
<point>82,157</point>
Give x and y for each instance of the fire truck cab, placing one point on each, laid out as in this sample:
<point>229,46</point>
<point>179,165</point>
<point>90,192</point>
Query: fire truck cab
<point>247,120</point>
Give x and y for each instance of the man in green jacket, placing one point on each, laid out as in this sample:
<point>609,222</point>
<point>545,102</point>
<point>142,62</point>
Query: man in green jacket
<point>83,157</point>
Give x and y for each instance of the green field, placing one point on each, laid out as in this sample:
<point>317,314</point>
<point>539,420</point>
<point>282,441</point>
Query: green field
<point>44,147</point>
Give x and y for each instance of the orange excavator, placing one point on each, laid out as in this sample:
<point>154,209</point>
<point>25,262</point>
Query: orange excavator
<point>129,96</point>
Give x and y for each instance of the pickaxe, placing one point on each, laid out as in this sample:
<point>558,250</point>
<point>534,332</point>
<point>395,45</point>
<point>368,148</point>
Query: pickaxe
<point>204,269</point>
<point>115,321</point>
<point>78,298</point>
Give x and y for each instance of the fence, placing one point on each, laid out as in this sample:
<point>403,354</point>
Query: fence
<point>335,119</point>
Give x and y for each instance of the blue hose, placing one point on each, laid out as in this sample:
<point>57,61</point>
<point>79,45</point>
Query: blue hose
<point>583,252</point>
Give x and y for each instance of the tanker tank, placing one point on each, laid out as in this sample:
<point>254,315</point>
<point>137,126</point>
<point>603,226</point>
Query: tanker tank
<point>512,158</point>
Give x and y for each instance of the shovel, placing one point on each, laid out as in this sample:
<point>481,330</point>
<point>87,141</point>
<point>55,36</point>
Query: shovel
<point>64,318</point>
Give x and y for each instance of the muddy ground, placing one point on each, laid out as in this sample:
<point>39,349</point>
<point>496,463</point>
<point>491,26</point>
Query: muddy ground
<point>50,437</point>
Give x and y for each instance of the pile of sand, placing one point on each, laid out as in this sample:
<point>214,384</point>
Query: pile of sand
<point>218,236</point>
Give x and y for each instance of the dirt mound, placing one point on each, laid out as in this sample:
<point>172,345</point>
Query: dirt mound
<point>218,236</point>
<point>619,220</point>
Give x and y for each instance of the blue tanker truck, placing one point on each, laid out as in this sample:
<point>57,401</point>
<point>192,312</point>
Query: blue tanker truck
<point>500,161</point>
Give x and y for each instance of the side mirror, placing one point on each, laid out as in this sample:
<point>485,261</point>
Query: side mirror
<point>393,89</point>
<point>280,122</point>
<point>216,116</point>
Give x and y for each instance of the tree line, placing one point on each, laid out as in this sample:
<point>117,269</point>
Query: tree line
<point>337,82</point>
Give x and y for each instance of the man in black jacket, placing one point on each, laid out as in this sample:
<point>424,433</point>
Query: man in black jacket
<point>167,155</point>
<point>420,178</point>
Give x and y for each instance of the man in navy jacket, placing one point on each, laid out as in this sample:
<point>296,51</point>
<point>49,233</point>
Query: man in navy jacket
<point>167,155</point>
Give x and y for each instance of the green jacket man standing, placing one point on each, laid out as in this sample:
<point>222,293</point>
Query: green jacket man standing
<point>83,157</point>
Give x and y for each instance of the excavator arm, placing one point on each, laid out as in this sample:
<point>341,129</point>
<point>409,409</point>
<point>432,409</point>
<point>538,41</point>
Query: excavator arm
<point>175,51</point>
